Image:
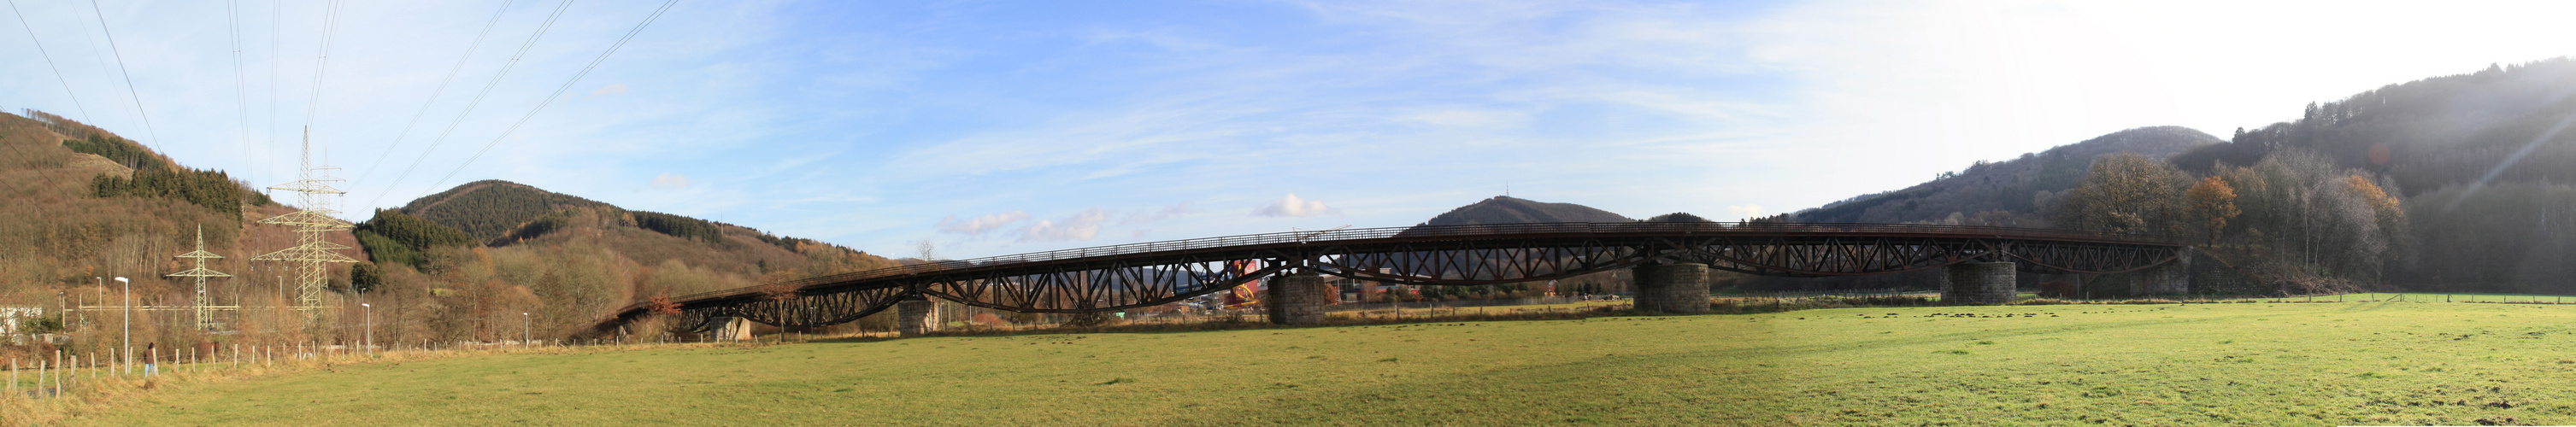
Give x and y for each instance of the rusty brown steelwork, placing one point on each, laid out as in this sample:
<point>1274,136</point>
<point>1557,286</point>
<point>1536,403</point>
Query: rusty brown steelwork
<point>1119,277</point>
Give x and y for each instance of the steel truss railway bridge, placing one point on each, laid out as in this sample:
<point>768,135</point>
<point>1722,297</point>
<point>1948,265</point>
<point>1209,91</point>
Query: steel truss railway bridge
<point>1671,263</point>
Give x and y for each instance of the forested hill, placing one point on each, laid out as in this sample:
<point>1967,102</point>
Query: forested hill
<point>1508,210</point>
<point>79,204</point>
<point>2009,192</point>
<point>489,209</point>
<point>495,213</point>
<point>2501,124</point>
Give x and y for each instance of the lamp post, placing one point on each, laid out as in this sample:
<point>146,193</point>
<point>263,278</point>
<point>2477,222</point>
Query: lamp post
<point>129,322</point>
<point>371,327</point>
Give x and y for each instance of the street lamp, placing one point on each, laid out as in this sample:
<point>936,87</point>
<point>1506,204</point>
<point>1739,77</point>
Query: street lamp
<point>371,327</point>
<point>129,323</point>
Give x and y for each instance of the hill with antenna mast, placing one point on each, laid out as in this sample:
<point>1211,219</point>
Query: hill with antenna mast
<point>1511,210</point>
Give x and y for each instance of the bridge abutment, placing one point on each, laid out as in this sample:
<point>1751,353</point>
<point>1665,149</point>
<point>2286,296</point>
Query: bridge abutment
<point>1977,283</point>
<point>733,328</point>
<point>1672,288</point>
<point>916,315</point>
<point>1298,299</point>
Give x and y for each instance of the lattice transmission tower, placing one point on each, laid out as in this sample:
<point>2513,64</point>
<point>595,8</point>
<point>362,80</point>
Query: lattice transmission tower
<point>204,304</point>
<point>312,251</point>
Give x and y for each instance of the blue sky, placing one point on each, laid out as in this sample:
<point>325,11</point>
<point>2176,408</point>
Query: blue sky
<point>991,128</point>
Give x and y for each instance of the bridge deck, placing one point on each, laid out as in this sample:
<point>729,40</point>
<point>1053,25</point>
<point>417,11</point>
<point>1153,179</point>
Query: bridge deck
<point>1125,276</point>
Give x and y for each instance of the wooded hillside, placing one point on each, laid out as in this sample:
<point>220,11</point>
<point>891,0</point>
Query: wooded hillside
<point>2009,192</point>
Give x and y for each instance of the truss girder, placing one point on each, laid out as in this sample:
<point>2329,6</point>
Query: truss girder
<point>800,311</point>
<point>1470,263</point>
<point>1124,277</point>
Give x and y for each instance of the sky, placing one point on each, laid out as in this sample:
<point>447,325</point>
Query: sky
<point>993,128</point>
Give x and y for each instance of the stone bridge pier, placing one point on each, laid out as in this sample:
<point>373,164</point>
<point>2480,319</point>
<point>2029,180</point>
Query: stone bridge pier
<point>916,315</point>
<point>733,328</point>
<point>1298,299</point>
<point>1977,283</point>
<point>1672,288</point>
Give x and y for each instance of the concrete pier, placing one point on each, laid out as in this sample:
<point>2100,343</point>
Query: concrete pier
<point>1977,283</point>
<point>1298,299</point>
<point>916,315</point>
<point>733,328</point>
<point>1672,288</point>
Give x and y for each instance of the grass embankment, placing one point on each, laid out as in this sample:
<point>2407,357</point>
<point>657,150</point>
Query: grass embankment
<point>2243,363</point>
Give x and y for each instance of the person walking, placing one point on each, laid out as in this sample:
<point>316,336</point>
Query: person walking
<point>151,357</point>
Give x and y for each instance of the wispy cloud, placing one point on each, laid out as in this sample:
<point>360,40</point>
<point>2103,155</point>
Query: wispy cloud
<point>670,181</point>
<point>1156,215</point>
<point>980,225</point>
<point>1080,226</point>
<point>610,89</point>
<point>1293,206</point>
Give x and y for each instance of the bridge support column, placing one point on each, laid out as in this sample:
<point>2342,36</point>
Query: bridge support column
<point>733,329</point>
<point>1672,288</point>
<point>2173,278</point>
<point>916,315</point>
<point>1298,299</point>
<point>1977,283</point>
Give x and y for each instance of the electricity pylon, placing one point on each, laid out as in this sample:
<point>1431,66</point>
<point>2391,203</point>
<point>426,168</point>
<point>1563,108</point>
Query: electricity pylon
<point>311,225</point>
<point>204,304</point>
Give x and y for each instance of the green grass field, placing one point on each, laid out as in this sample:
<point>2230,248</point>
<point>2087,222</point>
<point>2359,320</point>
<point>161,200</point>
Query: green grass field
<point>2247,363</point>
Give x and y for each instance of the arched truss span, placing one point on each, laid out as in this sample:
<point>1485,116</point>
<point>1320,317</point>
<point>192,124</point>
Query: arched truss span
<point>1111,278</point>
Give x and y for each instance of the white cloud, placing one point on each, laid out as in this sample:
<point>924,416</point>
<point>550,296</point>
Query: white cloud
<point>1470,118</point>
<point>670,181</point>
<point>610,89</point>
<point>1080,226</point>
<point>1292,206</point>
<point>1150,216</point>
<point>980,224</point>
<point>1746,211</point>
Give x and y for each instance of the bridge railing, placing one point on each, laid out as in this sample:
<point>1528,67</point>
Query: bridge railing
<point>1440,232</point>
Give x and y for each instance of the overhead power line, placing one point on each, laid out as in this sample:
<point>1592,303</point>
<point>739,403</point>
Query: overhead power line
<point>478,100</point>
<point>241,88</point>
<point>321,60</point>
<point>49,60</point>
<point>433,94</point>
<point>559,90</point>
<point>276,52</point>
<point>129,78</point>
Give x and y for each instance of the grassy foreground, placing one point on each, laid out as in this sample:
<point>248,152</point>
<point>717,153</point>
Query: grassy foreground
<point>2258,363</point>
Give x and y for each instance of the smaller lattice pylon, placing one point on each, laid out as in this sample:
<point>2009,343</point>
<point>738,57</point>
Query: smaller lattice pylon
<point>204,302</point>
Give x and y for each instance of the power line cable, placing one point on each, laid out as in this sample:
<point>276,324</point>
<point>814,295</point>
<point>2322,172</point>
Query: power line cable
<point>54,179</point>
<point>478,99</point>
<point>87,40</point>
<point>241,88</point>
<point>276,51</point>
<point>49,60</point>
<point>559,90</point>
<point>129,78</point>
<point>434,94</point>
<point>321,60</point>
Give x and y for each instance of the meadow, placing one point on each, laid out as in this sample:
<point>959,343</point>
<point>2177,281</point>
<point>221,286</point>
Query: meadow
<point>2268,363</point>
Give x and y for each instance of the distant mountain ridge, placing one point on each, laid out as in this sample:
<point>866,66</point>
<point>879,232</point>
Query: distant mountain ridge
<point>2010,192</point>
<point>1509,210</point>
